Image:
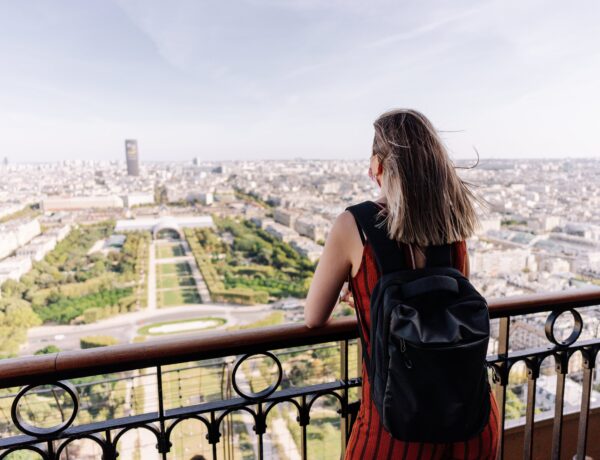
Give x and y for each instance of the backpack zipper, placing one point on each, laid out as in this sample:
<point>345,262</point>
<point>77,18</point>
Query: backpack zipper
<point>407,362</point>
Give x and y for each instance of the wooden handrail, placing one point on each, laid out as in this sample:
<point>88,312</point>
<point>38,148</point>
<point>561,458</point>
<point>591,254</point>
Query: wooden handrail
<point>78,363</point>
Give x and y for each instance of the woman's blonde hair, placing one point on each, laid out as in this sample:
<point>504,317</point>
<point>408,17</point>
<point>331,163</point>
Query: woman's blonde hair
<point>427,203</point>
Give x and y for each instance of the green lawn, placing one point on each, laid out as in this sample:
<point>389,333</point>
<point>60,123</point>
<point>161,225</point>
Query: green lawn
<point>179,287</point>
<point>177,297</point>
<point>166,251</point>
<point>173,281</point>
<point>181,269</point>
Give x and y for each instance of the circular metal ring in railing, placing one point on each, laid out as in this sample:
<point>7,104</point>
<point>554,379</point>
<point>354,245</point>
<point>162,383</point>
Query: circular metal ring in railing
<point>150,427</point>
<point>43,454</point>
<point>575,333</point>
<point>267,391</point>
<point>321,394</point>
<point>91,437</point>
<point>36,431</point>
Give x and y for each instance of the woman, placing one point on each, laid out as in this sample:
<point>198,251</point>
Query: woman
<point>423,202</point>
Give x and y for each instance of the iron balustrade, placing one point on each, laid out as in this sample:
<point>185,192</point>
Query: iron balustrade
<point>57,372</point>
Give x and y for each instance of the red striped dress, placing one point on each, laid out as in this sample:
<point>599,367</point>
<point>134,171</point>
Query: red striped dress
<point>369,439</point>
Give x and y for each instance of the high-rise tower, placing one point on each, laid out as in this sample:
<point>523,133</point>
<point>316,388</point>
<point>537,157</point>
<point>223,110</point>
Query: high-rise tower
<point>132,157</point>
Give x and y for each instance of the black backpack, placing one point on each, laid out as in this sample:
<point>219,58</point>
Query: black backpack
<point>429,336</point>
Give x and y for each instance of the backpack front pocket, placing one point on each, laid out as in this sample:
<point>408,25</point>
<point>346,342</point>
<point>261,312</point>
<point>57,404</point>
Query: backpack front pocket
<point>435,393</point>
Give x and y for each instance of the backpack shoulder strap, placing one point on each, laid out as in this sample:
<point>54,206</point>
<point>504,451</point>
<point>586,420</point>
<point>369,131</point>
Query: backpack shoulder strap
<point>389,254</point>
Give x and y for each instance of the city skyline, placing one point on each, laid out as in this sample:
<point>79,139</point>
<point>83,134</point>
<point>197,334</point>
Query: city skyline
<point>92,257</point>
<point>278,80</point>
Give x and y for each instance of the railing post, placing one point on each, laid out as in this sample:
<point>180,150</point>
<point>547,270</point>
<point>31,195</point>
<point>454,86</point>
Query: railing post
<point>51,452</point>
<point>260,428</point>
<point>304,422</point>
<point>214,434</point>
<point>562,365</point>
<point>503,339</point>
<point>533,372</point>
<point>163,443</point>
<point>589,362</point>
<point>345,422</point>
<point>109,451</point>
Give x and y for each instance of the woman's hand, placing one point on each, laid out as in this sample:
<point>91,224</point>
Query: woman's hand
<point>346,295</point>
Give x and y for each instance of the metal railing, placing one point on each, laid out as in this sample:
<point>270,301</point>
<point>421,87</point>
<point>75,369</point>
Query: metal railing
<point>60,380</point>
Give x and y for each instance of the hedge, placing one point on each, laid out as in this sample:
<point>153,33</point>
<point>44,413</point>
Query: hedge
<point>95,341</point>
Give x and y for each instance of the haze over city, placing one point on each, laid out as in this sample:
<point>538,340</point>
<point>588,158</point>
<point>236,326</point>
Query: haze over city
<point>261,79</point>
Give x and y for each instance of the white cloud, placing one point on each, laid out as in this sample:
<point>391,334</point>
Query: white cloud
<point>274,78</point>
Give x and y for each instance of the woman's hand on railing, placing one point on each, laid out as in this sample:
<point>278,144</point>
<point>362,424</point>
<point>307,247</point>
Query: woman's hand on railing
<point>346,296</point>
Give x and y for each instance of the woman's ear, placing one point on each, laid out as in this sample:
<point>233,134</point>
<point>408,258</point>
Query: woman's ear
<point>379,173</point>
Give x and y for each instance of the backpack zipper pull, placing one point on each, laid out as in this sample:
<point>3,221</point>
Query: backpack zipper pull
<point>407,362</point>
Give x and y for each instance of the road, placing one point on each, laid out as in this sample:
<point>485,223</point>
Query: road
<point>124,326</point>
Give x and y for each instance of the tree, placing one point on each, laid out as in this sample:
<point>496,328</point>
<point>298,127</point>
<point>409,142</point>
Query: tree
<point>16,316</point>
<point>12,288</point>
<point>515,408</point>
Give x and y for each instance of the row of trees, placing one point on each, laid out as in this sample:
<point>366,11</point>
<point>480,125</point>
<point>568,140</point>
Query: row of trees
<point>218,291</point>
<point>71,284</point>
<point>66,309</point>
<point>17,313</point>
<point>96,341</point>
<point>29,211</point>
<point>67,263</point>
<point>255,261</point>
<point>133,264</point>
<point>254,199</point>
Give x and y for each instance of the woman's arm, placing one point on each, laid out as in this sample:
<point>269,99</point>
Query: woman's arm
<point>332,270</point>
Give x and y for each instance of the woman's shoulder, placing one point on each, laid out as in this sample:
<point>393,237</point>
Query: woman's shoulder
<point>343,228</point>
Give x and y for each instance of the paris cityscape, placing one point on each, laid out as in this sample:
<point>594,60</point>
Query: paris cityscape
<point>101,253</point>
<point>173,181</point>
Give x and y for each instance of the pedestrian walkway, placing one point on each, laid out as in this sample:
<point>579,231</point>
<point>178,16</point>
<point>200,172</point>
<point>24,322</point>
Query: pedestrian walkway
<point>151,277</point>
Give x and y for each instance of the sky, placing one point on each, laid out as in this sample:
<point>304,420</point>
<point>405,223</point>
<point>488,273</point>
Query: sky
<point>283,79</point>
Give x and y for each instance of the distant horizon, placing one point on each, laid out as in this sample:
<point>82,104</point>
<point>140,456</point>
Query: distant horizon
<point>122,161</point>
